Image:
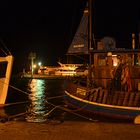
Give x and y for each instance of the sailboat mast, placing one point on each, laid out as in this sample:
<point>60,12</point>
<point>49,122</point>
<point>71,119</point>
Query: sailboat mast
<point>89,43</point>
<point>90,31</point>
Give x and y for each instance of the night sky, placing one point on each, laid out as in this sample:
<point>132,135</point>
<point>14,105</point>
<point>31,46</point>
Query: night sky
<point>47,27</point>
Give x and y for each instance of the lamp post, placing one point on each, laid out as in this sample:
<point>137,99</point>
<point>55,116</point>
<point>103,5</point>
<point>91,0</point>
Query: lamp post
<point>32,56</point>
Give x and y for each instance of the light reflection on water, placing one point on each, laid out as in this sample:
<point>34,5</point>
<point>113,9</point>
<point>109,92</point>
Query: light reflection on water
<point>34,101</point>
<point>37,107</point>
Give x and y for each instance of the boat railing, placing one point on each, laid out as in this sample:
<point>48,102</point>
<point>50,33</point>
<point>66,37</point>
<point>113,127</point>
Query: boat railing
<point>114,97</point>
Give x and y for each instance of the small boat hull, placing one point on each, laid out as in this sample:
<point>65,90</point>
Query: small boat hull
<point>111,111</point>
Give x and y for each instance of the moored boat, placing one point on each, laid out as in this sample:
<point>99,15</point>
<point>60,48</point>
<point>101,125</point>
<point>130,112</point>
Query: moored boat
<point>113,84</point>
<point>6,63</point>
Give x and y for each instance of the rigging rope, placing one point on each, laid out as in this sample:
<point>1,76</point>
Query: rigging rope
<point>5,47</point>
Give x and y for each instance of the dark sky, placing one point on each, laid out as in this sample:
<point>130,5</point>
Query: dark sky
<point>47,27</point>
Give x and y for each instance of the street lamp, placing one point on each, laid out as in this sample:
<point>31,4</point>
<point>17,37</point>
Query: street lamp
<point>39,63</point>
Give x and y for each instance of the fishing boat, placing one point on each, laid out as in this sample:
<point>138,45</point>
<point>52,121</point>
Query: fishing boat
<point>112,87</point>
<point>6,63</point>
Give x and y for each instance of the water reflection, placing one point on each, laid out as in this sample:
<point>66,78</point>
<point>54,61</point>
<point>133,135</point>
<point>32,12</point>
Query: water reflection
<point>37,107</point>
<point>38,91</point>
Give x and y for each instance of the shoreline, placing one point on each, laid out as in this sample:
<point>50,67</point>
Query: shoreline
<point>68,130</point>
<point>38,76</point>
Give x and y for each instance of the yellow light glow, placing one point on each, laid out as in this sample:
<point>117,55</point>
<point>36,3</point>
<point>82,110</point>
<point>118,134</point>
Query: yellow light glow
<point>34,66</point>
<point>115,60</point>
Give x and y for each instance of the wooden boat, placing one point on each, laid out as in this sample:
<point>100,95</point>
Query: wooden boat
<point>113,84</point>
<point>6,63</point>
<point>114,97</point>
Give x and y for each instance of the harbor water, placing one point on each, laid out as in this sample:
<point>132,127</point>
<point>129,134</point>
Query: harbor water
<point>35,99</point>
<point>41,100</point>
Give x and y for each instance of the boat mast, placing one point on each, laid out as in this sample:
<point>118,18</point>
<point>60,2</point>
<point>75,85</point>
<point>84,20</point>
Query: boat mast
<point>89,77</point>
<point>90,31</point>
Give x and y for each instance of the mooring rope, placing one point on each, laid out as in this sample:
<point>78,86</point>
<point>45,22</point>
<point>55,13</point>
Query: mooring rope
<point>70,111</point>
<point>15,103</point>
<point>15,88</point>
<point>17,115</point>
<point>8,118</point>
<point>19,90</point>
<point>60,96</point>
<point>55,97</point>
<point>48,113</point>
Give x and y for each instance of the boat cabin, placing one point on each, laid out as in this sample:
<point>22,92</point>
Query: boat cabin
<point>119,65</point>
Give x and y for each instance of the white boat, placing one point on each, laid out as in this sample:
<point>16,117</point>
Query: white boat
<point>6,63</point>
<point>47,70</point>
<point>67,69</point>
<point>62,72</point>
